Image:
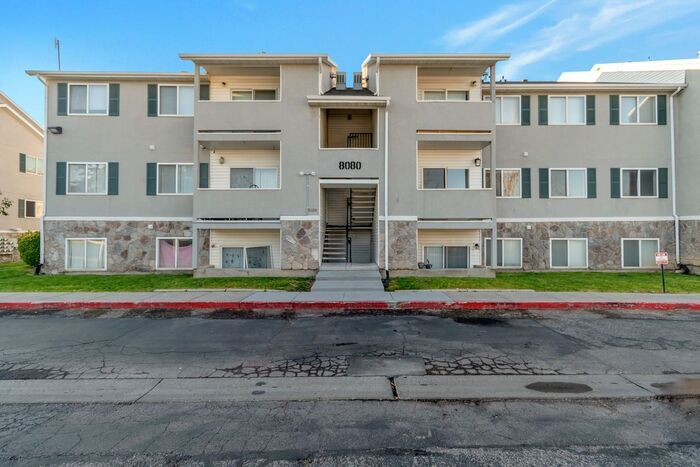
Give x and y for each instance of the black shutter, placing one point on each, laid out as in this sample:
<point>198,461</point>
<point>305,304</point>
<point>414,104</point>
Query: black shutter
<point>466,178</point>
<point>203,175</point>
<point>114,99</point>
<point>525,110</point>
<point>60,178</point>
<point>203,92</point>
<point>590,110</point>
<point>661,109</point>
<point>544,183</point>
<point>614,183</point>
<point>152,100</point>
<point>113,178</point>
<point>62,89</point>
<point>20,208</point>
<point>542,108</point>
<point>526,185</point>
<point>614,109</point>
<point>663,182</point>
<point>591,179</point>
<point>22,162</point>
<point>151,178</point>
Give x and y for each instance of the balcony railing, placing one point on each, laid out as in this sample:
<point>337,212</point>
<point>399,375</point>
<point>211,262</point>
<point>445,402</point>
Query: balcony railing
<point>359,140</point>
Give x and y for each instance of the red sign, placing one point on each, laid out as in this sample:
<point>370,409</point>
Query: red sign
<point>661,258</point>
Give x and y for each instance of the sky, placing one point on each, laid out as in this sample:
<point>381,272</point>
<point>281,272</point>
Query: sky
<point>544,37</point>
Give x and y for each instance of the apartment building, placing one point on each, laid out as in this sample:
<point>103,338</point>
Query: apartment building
<point>21,180</point>
<point>277,164</point>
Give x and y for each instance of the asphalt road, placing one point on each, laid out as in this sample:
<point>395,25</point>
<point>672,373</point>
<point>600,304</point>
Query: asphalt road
<point>594,432</point>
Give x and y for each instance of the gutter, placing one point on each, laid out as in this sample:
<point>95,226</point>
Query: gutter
<point>676,223</point>
<point>386,192</point>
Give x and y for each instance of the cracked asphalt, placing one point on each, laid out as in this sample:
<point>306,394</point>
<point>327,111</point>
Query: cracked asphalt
<point>87,346</point>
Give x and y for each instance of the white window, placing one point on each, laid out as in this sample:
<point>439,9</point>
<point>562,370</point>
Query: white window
<point>87,178</point>
<point>507,182</point>
<point>568,253</point>
<point>639,183</point>
<point>254,178</point>
<point>175,179</point>
<point>34,165</point>
<point>88,99</point>
<point>174,253</point>
<point>508,110</point>
<point>568,183</point>
<point>567,110</point>
<point>639,252</point>
<point>253,94</point>
<point>445,178</point>
<point>258,257</point>
<point>446,257</point>
<point>509,252</point>
<point>86,254</point>
<point>33,209</point>
<point>446,95</point>
<point>637,110</point>
<point>175,100</point>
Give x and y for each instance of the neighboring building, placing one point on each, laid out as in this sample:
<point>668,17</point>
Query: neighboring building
<point>275,162</point>
<point>22,175</point>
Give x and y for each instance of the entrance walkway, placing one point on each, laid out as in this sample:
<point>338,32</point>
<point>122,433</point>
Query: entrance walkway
<point>348,277</point>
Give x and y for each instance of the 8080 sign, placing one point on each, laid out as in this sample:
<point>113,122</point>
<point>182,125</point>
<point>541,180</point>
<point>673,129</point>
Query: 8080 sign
<point>349,165</point>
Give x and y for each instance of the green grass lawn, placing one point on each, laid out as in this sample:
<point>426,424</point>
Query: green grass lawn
<point>557,282</point>
<point>17,277</point>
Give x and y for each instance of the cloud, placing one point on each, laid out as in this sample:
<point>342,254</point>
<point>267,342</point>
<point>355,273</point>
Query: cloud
<point>590,24</point>
<point>499,23</point>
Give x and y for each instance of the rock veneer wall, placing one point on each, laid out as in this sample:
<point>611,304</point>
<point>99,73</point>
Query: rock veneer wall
<point>403,245</point>
<point>131,245</point>
<point>300,244</point>
<point>604,239</point>
<point>203,243</point>
<point>690,243</point>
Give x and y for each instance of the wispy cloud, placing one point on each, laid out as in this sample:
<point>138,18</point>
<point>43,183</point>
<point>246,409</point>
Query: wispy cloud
<point>565,28</point>
<point>499,23</point>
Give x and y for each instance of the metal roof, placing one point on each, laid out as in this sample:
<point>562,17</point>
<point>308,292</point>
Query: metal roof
<point>661,76</point>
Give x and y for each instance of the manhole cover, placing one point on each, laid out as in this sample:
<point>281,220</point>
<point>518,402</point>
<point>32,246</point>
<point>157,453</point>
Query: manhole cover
<point>559,387</point>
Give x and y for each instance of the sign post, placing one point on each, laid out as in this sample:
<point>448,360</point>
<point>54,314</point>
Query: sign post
<point>661,260</point>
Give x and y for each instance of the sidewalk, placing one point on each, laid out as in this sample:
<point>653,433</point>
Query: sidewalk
<point>423,300</point>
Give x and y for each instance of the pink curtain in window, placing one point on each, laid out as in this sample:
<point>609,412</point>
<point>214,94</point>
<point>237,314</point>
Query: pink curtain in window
<point>166,254</point>
<point>184,254</point>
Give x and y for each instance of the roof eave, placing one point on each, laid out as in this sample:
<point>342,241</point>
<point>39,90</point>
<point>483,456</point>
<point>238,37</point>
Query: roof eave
<point>595,86</point>
<point>103,75</point>
<point>221,59</point>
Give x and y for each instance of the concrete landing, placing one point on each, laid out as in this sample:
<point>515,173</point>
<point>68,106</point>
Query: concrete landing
<point>348,278</point>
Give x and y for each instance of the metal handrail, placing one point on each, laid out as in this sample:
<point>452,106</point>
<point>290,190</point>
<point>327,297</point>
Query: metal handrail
<point>359,140</point>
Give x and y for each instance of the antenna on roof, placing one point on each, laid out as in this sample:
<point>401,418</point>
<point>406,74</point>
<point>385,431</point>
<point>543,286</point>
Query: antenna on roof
<point>57,46</point>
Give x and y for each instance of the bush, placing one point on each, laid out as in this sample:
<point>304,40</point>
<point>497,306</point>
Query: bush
<point>29,248</point>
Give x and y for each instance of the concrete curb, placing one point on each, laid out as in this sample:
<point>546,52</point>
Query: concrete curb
<point>338,306</point>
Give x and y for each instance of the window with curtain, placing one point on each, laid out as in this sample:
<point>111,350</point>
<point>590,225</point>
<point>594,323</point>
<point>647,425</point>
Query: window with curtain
<point>88,99</point>
<point>508,250</point>
<point>639,183</point>
<point>174,253</point>
<point>87,178</point>
<point>507,182</point>
<point>258,257</point>
<point>175,179</point>
<point>446,257</point>
<point>449,178</point>
<point>508,110</point>
<point>175,100</point>
<point>639,252</point>
<point>86,254</point>
<point>569,253</point>
<point>567,110</point>
<point>256,178</point>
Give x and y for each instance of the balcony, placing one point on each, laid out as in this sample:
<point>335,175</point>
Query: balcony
<point>348,128</point>
<point>213,116</point>
<point>455,204</point>
<point>240,204</point>
<point>443,116</point>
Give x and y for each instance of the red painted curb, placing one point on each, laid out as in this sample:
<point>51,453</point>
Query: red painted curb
<point>351,306</point>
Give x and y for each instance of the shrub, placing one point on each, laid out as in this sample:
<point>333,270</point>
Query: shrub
<point>28,245</point>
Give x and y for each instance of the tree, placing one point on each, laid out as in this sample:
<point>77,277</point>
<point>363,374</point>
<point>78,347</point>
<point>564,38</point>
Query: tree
<point>5,205</point>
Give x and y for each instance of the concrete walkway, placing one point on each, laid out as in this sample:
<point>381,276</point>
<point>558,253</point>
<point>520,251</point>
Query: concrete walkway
<point>341,278</point>
<point>338,300</point>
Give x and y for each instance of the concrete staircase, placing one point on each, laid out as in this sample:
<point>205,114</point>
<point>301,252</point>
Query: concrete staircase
<point>348,278</point>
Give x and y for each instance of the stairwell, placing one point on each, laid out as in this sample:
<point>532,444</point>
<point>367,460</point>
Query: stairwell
<point>351,211</point>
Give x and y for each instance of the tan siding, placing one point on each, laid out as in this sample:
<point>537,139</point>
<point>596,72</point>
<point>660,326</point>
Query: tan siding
<point>448,237</point>
<point>450,159</point>
<point>244,238</point>
<point>219,174</point>
<point>339,126</point>
<point>454,80</point>
<point>220,86</point>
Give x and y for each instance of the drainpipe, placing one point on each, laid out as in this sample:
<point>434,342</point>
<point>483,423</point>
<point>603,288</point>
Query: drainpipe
<point>195,170</point>
<point>46,168</point>
<point>676,223</point>
<point>386,190</point>
<point>494,223</point>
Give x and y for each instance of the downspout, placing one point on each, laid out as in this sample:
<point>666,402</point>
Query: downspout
<point>46,168</point>
<point>196,168</point>
<point>676,222</point>
<point>386,190</point>
<point>494,222</point>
